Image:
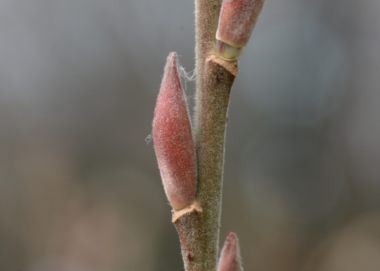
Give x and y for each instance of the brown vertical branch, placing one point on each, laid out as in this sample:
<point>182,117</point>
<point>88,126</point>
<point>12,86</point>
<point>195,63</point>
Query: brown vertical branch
<point>188,223</point>
<point>207,14</point>
<point>198,228</point>
<point>206,21</point>
<point>214,82</point>
<point>213,102</point>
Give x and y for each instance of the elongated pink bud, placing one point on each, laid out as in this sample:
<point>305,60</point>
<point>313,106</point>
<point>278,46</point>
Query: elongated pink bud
<point>230,257</point>
<point>173,139</point>
<point>236,22</point>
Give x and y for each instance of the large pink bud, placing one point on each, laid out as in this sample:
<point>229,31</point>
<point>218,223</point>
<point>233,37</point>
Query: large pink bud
<point>173,139</point>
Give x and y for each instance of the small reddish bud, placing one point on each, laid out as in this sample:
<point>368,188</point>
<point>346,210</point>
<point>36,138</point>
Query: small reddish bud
<point>173,139</point>
<point>230,257</point>
<point>236,22</point>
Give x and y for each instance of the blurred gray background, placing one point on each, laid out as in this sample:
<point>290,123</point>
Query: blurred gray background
<point>80,188</point>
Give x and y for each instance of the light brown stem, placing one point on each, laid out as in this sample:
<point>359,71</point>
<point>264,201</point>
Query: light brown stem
<point>206,22</point>
<point>199,230</point>
<point>198,225</point>
<point>188,223</point>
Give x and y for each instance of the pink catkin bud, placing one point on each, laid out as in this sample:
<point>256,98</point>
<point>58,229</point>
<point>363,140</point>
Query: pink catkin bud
<point>173,139</point>
<point>230,257</point>
<point>236,22</point>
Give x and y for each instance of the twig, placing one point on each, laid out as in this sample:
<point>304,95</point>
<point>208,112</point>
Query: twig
<point>197,219</point>
<point>198,229</point>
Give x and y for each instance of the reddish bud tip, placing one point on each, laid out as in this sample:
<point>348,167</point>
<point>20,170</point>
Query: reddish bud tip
<point>173,139</point>
<point>230,257</point>
<point>237,20</point>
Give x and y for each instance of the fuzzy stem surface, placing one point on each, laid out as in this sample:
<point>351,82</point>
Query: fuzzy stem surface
<point>206,22</point>
<point>198,225</point>
<point>199,230</point>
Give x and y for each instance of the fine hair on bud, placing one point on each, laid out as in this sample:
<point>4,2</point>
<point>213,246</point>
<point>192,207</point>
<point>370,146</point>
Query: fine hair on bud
<point>230,259</point>
<point>173,139</point>
<point>237,20</point>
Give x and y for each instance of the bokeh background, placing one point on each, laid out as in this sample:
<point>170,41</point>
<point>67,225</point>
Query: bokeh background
<point>79,185</point>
